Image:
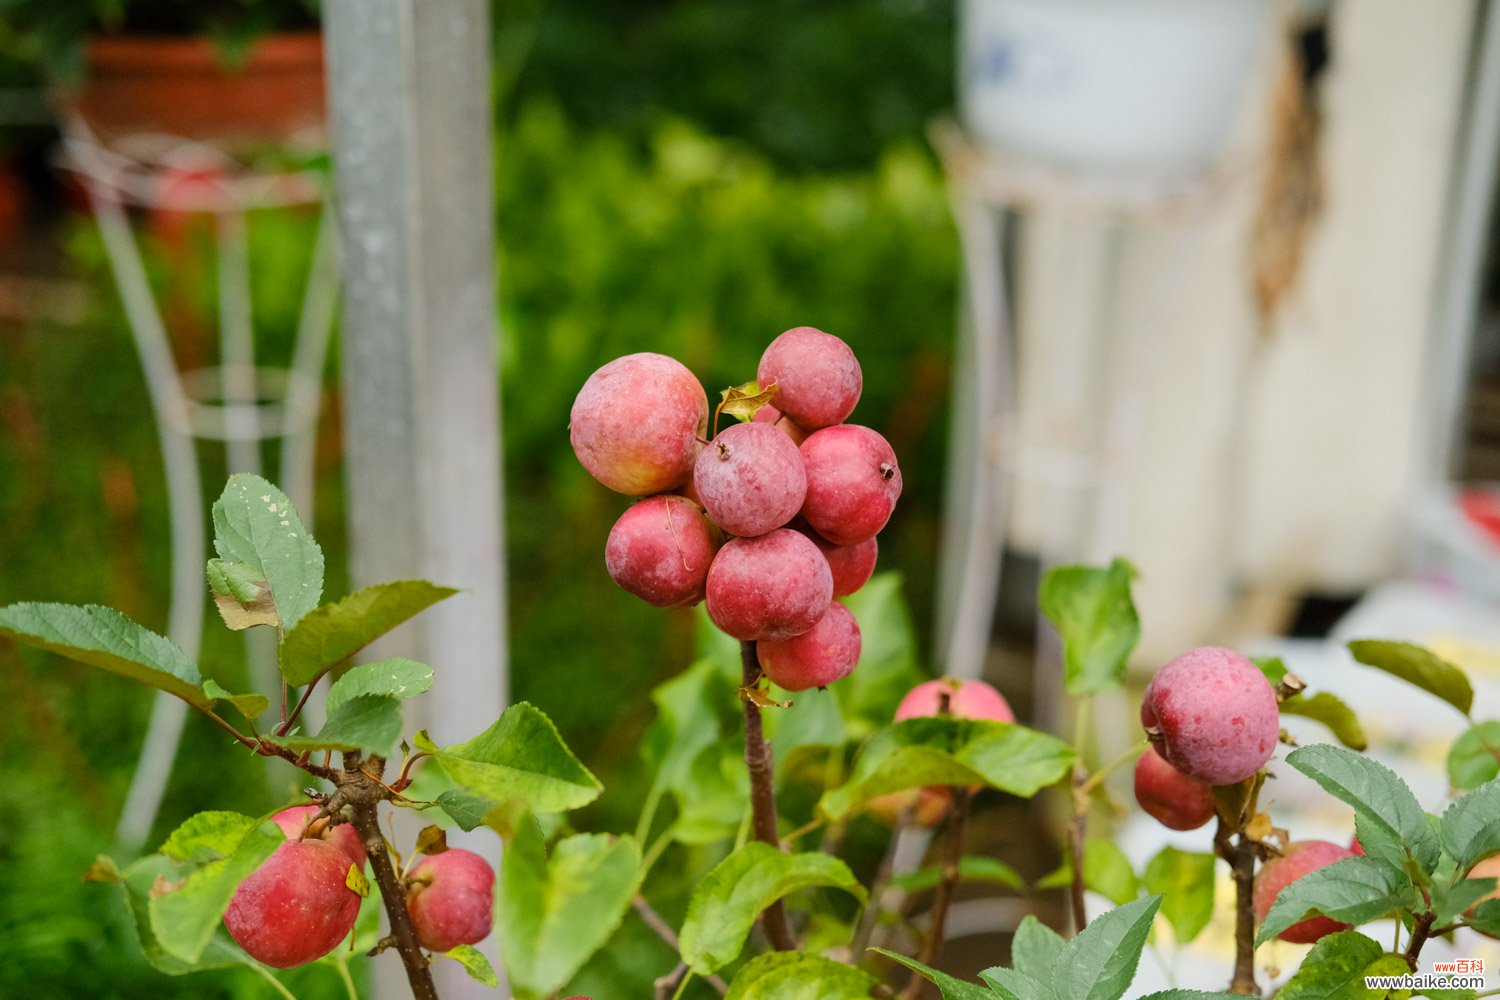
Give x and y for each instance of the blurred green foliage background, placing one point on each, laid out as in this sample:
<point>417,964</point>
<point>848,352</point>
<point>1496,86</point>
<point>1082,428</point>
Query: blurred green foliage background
<point>675,176</point>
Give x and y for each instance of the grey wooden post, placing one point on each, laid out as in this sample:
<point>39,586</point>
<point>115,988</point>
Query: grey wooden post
<point>409,84</point>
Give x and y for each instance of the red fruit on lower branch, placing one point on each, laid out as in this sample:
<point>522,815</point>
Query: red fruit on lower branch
<point>823,654</point>
<point>750,479</point>
<point>294,823</point>
<point>660,550</point>
<point>451,899</point>
<point>816,375</point>
<point>769,414</point>
<point>1175,800</point>
<point>852,565</point>
<point>296,907</point>
<point>853,483</point>
<point>774,586</point>
<point>966,700</point>
<point>636,422</point>
<point>1212,715</point>
<point>1300,857</point>
<point>929,805</point>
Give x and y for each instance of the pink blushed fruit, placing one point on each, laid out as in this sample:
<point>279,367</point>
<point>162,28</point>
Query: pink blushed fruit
<point>823,654</point>
<point>1212,715</point>
<point>1300,857</point>
<point>1487,868</point>
<point>660,550</point>
<point>817,377</point>
<point>451,899</point>
<point>966,700</point>
<point>852,565</point>
<point>294,822</point>
<point>1175,800</point>
<point>750,479</point>
<point>636,423</point>
<point>853,483</point>
<point>773,586</point>
<point>929,805</point>
<point>769,414</point>
<point>296,907</point>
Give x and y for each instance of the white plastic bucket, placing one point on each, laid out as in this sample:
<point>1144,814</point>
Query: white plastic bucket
<point>1108,86</point>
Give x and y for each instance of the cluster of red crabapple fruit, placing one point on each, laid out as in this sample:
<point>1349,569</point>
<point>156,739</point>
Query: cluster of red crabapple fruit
<point>766,523</point>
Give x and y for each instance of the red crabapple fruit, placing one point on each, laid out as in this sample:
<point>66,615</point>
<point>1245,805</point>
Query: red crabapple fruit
<point>816,375</point>
<point>852,565</point>
<point>769,414</point>
<point>1212,715</point>
<point>823,654</point>
<point>660,550</point>
<point>1487,868</point>
<point>750,479</point>
<point>294,822</point>
<point>1175,800</point>
<point>636,423</point>
<point>853,483</point>
<point>773,586</point>
<point>296,907</point>
<point>451,899</point>
<point>930,804</point>
<point>1300,857</point>
<point>966,700</point>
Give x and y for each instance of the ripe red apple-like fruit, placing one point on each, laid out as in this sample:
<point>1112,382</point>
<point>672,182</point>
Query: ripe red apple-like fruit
<point>773,586</point>
<point>294,823</point>
<point>1486,868</point>
<point>1300,857</point>
<point>852,565</point>
<point>636,423</point>
<point>750,479</point>
<point>853,483</point>
<point>823,654</point>
<point>1212,715</point>
<point>966,700</point>
<point>931,805</point>
<point>816,374</point>
<point>296,907</point>
<point>660,550</point>
<point>1175,800</point>
<point>769,414</point>
<point>451,899</point>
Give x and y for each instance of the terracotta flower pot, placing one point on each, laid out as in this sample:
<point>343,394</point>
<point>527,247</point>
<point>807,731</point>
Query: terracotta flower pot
<point>182,87</point>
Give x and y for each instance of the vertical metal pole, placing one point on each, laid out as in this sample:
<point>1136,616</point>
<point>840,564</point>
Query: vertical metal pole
<point>410,96</point>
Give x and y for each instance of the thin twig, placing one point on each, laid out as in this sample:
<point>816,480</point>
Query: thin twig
<point>763,795</point>
<point>1421,930</point>
<point>663,930</point>
<point>871,912</point>
<point>1241,857</point>
<point>666,987</point>
<point>1078,828</point>
<point>937,916</point>
<point>291,720</point>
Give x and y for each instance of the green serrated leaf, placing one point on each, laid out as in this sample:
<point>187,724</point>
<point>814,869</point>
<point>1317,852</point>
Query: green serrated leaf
<point>951,988</point>
<point>1185,880</point>
<point>556,912</point>
<point>520,758</point>
<point>742,401</point>
<point>208,836</point>
<point>185,918</point>
<point>1470,828</point>
<point>727,901</point>
<point>1474,757</point>
<point>888,660</point>
<point>797,975</point>
<point>1192,995</point>
<point>395,678</point>
<point>1350,891</point>
<point>1332,712</point>
<point>104,638</point>
<point>241,594</point>
<point>1417,665</point>
<point>248,705</point>
<point>1035,948</point>
<point>368,722</point>
<point>1450,902</point>
<point>711,795</point>
<point>1334,969</point>
<point>138,881</point>
<point>475,964</point>
<point>255,526</point>
<point>1107,871</point>
<point>948,751</point>
<point>1486,918</point>
<point>1380,800</point>
<point>468,811</point>
<point>331,634</point>
<point>1272,666</point>
<point>972,868</point>
<point>1100,962</point>
<point>1092,610</point>
<point>1011,984</point>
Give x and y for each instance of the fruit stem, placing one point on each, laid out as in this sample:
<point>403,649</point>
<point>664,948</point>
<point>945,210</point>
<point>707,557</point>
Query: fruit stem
<point>953,852</point>
<point>758,762</point>
<point>363,793</point>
